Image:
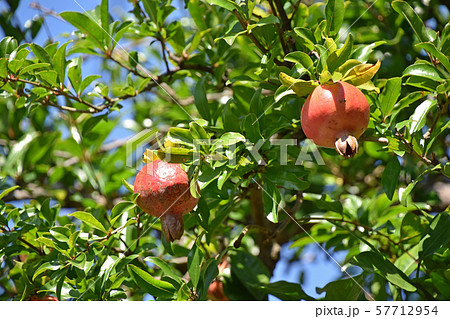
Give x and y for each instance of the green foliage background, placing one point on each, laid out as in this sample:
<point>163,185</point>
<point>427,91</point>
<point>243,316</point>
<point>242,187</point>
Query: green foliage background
<point>217,78</point>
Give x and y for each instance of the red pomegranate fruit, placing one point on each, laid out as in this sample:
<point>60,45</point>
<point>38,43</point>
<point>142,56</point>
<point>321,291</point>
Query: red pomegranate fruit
<point>215,291</point>
<point>43,298</point>
<point>335,115</point>
<point>165,193</point>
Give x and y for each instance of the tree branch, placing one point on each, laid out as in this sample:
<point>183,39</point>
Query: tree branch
<point>39,251</point>
<point>258,44</point>
<point>358,224</point>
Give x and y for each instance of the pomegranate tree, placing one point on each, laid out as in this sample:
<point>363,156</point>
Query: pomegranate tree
<point>164,190</point>
<point>334,115</point>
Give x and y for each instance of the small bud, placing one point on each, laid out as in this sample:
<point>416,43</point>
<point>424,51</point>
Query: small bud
<point>346,145</point>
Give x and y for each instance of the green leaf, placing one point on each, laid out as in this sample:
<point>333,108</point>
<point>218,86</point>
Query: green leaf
<point>256,106</point>
<point>154,287</point>
<point>413,19</point>
<point>133,59</point>
<point>362,53</point>
<point>119,209</point>
<point>79,262</point>
<point>361,73</point>
<point>241,264</point>
<point>307,36</point>
<point>41,147</point>
<point>348,289</point>
<point>164,267</point>
<point>372,261</point>
<point>73,239</point>
<point>53,265</point>
<point>176,154</point>
<point>284,290</point>
<point>321,65</point>
<point>443,88</point>
<point>444,44</point>
<point>226,4</point>
<point>198,132</point>
<point>251,128</point>
<point>33,67</point>
<point>436,236</point>
<point>325,77</point>
<point>419,117</point>
<point>423,70</point>
<point>435,133</point>
<point>408,189</point>
<point>201,101</point>
<point>302,59</point>
<point>422,83</point>
<point>195,258</point>
<point>15,160</point>
<point>3,68</point>
<point>193,185</point>
<point>46,241</point>
<point>104,18</point>
<point>60,283</point>
<point>300,87</point>
<point>209,272</point>
<point>49,76</point>
<point>407,101</point>
<point>86,25</point>
<point>340,56</point>
<point>89,219</point>
<point>48,213</point>
<point>7,45</point>
<point>334,15</point>
<point>431,48</point>
<point>231,138</point>
<point>369,86</point>
<point>411,226</point>
<point>86,81</point>
<point>40,53</point>
<point>348,65</point>
<point>74,73</point>
<point>19,56</point>
<point>59,62</point>
<point>179,136</point>
<point>326,203</point>
<point>120,31</point>
<point>7,191</point>
<point>271,199</point>
<point>390,176</point>
<point>281,176</point>
<point>390,95</point>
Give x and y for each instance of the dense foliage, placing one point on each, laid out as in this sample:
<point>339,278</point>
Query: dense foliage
<point>69,225</point>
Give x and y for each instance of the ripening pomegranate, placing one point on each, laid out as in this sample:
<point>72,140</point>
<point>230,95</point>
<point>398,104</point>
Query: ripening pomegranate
<point>335,115</point>
<point>44,298</point>
<point>215,291</point>
<point>164,192</point>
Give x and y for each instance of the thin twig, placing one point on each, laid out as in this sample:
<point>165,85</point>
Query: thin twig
<point>282,14</point>
<point>39,251</point>
<point>358,224</point>
<point>252,37</point>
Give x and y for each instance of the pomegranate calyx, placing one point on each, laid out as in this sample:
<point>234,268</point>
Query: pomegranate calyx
<point>172,226</point>
<point>346,145</point>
